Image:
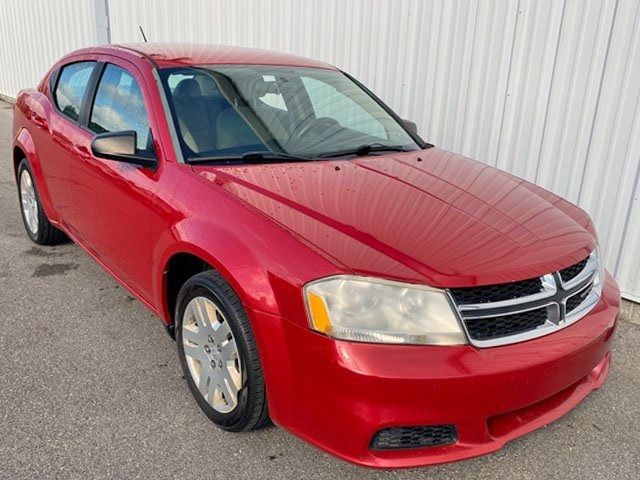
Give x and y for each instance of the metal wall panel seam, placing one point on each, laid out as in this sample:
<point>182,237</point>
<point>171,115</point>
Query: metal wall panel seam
<point>516,29</point>
<point>595,114</point>
<point>551,84</point>
<point>625,228</point>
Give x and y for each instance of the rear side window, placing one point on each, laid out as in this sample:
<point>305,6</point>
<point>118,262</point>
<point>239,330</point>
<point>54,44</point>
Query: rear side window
<point>119,106</point>
<point>71,87</point>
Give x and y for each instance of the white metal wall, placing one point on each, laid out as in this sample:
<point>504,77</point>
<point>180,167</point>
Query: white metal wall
<point>546,89</point>
<point>35,33</point>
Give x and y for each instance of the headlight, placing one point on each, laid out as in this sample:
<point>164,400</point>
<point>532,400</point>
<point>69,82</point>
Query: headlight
<point>372,310</point>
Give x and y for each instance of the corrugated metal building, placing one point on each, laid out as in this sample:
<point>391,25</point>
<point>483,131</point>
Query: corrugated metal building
<point>548,90</point>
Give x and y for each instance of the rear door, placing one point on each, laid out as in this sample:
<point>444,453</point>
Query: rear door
<point>113,201</point>
<point>59,145</point>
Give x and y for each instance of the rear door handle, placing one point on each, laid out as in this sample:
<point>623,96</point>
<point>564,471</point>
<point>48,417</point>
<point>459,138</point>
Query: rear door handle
<point>39,121</point>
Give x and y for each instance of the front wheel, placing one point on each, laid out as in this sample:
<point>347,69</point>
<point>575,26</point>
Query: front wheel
<point>218,353</point>
<point>38,226</point>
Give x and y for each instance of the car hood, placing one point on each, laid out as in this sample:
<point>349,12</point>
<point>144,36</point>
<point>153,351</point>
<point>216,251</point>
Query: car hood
<point>427,216</point>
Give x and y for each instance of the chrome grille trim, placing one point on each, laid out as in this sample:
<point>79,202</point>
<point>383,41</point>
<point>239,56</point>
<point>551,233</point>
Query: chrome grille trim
<point>548,290</point>
<point>554,295</point>
<point>590,269</point>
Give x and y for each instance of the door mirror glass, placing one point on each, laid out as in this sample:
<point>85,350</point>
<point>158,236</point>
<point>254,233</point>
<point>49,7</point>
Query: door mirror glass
<point>120,146</point>
<point>114,143</point>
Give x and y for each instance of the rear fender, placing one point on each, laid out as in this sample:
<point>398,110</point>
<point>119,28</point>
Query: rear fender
<point>24,141</point>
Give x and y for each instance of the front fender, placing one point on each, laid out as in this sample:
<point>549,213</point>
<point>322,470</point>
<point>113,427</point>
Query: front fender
<point>264,264</point>
<point>235,259</point>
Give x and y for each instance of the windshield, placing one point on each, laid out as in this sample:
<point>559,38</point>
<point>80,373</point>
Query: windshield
<point>302,112</point>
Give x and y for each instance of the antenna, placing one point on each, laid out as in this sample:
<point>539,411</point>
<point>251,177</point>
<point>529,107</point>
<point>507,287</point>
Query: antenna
<point>144,37</point>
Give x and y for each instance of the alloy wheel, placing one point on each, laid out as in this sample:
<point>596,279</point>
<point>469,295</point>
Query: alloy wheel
<point>211,353</point>
<point>29,201</point>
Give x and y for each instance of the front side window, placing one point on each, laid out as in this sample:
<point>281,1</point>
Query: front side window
<point>71,87</point>
<point>119,106</point>
<point>310,112</point>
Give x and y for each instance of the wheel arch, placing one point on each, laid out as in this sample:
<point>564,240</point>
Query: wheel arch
<point>179,268</point>
<point>184,259</point>
<point>25,147</point>
<point>18,155</point>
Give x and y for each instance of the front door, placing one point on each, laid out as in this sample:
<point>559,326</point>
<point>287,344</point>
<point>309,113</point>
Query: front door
<point>114,201</point>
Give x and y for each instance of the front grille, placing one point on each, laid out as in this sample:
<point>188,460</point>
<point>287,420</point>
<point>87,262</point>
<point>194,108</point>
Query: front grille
<point>506,313</point>
<point>573,271</point>
<point>505,325</point>
<point>414,437</point>
<point>496,293</point>
<point>575,301</point>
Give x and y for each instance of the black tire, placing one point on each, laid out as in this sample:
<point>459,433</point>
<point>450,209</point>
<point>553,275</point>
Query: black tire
<point>251,411</point>
<point>46,233</point>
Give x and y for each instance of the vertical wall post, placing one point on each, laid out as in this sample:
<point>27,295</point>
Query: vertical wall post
<point>103,32</point>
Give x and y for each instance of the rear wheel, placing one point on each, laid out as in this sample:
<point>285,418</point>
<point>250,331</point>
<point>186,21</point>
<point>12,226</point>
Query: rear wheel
<point>218,353</point>
<point>38,227</point>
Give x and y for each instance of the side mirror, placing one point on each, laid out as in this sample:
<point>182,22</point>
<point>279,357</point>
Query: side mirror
<point>411,126</point>
<point>121,147</point>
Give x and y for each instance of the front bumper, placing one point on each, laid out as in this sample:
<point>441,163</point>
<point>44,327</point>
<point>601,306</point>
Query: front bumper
<point>338,394</point>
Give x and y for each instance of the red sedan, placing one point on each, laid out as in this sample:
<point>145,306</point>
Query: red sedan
<point>318,263</point>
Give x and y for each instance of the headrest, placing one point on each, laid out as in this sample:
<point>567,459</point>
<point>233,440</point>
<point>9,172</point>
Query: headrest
<point>262,88</point>
<point>254,87</point>
<point>188,88</point>
<point>207,85</point>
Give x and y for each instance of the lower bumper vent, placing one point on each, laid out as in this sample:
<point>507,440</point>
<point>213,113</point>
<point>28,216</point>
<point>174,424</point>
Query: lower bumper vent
<point>414,437</point>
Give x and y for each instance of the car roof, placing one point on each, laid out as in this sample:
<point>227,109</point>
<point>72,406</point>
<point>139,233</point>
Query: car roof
<point>184,54</point>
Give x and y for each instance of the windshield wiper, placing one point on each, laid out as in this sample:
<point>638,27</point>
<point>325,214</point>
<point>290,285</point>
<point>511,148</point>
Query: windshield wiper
<point>366,149</point>
<point>250,157</point>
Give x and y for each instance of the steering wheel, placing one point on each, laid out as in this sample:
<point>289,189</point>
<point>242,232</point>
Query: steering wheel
<point>323,123</point>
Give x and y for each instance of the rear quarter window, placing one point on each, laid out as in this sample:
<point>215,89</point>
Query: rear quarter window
<point>71,87</point>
